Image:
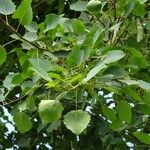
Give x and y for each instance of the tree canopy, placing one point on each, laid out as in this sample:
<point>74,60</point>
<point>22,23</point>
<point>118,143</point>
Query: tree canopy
<point>75,74</point>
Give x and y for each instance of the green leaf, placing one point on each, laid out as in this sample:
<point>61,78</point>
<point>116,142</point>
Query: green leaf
<point>128,90</point>
<point>17,79</point>
<point>22,122</point>
<point>124,111</point>
<point>78,6</point>
<point>113,56</point>
<point>109,113</point>
<point>32,27</point>
<point>143,137</point>
<point>3,55</point>
<point>146,98</point>
<point>24,12</point>
<point>129,7</point>
<point>140,10</point>
<point>110,57</point>
<point>75,57</point>
<point>27,18</point>
<point>94,6</point>
<point>94,72</point>
<point>145,109</point>
<point>23,142</point>
<point>41,66</point>
<point>140,33</point>
<point>142,84</point>
<point>7,7</point>
<point>30,103</point>
<point>130,82</point>
<point>22,107</point>
<point>137,58</point>
<point>61,5</point>
<point>30,36</point>
<point>116,71</point>
<point>115,30</point>
<point>50,110</point>
<point>115,124</point>
<point>78,26</point>
<point>142,1</point>
<point>53,126</point>
<point>51,21</point>
<point>7,83</point>
<point>42,73</point>
<point>2,97</point>
<point>76,121</point>
<point>76,79</point>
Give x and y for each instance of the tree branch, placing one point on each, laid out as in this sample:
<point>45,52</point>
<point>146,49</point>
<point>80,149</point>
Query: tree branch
<point>12,30</point>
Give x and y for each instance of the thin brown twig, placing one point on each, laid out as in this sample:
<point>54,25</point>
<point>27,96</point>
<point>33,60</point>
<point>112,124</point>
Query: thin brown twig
<point>16,100</point>
<point>22,38</point>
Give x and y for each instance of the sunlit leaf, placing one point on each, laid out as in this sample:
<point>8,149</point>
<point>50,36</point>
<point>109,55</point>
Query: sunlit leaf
<point>50,110</point>
<point>24,12</point>
<point>78,26</point>
<point>41,66</point>
<point>140,33</point>
<point>51,22</point>
<point>78,6</point>
<point>142,84</point>
<point>110,57</point>
<point>7,7</point>
<point>2,97</point>
<point>77,121</point>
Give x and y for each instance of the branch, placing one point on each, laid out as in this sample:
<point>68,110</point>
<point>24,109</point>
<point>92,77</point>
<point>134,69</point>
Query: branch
<point>10,28</point>
<point>15,32</point>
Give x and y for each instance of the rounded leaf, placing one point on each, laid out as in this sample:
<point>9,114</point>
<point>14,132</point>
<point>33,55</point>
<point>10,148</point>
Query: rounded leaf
<point>76,121</point>
<point>50,110</point>
<point>22,122</point>
<point>7,7</point>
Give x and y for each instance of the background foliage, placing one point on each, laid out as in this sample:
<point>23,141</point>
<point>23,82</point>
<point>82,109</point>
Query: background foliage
<point>75,74</point>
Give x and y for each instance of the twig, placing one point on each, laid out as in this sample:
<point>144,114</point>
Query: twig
<point>16,100</point>
<point>22,38</point>
<point>9,43</point>
<point>119,37</point>
<point>115,10</point>
<point>6,19</point>
<point>96,18</point>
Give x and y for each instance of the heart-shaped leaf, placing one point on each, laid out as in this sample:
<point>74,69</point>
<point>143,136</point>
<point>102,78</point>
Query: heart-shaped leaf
<point>76,121</point>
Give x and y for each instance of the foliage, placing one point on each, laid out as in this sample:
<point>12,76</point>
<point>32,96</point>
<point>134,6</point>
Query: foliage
<point>75,74</point>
